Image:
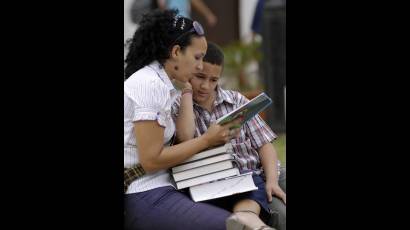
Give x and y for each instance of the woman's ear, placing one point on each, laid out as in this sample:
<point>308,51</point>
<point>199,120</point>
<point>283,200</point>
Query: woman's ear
<point>175,51</point>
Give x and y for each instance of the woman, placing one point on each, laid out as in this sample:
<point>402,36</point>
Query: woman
<point>165,48</point>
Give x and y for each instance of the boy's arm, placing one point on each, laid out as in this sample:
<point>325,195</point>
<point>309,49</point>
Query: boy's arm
<point>185,122</point>
<point>269,161</point>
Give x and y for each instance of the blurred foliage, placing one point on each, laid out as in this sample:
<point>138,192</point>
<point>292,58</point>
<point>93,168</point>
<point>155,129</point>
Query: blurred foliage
<point>238,55</point>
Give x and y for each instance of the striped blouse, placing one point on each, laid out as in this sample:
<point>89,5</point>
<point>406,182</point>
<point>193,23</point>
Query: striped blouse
<point>148,95</point>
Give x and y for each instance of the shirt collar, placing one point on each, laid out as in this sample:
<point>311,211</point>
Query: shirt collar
<point>223,95</point>
<point>159,69</point>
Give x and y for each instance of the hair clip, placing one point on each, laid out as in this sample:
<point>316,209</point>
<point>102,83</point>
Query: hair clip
<point>183,24</point>
<point>176,20</point>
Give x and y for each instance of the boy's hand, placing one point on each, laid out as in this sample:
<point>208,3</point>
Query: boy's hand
<point>274,189</point>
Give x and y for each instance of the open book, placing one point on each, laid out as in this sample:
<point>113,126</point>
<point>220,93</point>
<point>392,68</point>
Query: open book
<point>224,187</point>
<point>248,110</point>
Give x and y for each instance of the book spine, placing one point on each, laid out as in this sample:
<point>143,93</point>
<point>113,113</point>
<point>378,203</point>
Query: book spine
<point>203,170</point>
<point>202,162</point>
<point>207,178</point>
<point>210,152</point>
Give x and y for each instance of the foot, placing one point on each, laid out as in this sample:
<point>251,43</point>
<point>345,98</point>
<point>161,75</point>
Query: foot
<point>235,222</point>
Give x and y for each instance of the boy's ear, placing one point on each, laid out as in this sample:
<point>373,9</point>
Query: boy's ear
<point>176,49</point>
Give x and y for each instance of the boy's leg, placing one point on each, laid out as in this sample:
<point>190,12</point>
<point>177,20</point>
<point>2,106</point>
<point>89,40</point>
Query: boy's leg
<point>248,212</point>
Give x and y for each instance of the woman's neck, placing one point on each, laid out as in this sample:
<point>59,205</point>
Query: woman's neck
<point>169,70</point>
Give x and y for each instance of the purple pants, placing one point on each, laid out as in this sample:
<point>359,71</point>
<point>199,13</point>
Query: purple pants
<point>167,208</point>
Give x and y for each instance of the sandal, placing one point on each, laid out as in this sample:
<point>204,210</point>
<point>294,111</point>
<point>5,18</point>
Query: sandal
<point>233,223</point>
<point>266,227</point>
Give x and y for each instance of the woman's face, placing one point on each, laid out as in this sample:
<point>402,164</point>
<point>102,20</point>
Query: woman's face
<point>190,60</point>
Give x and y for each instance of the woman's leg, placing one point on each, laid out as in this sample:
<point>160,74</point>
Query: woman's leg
<point>167,208</point>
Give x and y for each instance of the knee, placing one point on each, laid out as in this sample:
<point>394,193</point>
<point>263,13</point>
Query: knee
<point>279,212</point>
<point>278,217</point>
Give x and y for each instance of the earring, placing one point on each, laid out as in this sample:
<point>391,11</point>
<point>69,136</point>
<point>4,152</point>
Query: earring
<point>176,68</point>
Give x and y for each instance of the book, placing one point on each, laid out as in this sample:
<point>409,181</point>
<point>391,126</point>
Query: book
<point>207,178</point>
<point>248,110</point>
<point>224,187</point>
<point>203,170</point>
<point>210,152</point>
<point>205,161</point>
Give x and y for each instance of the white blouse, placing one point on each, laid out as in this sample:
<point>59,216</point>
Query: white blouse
<point>148,95</point>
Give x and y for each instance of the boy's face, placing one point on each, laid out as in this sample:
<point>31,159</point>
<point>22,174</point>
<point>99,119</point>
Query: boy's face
<point>204,82</point>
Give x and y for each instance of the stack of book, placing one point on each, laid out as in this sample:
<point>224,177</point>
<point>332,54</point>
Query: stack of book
<point>212,174</point>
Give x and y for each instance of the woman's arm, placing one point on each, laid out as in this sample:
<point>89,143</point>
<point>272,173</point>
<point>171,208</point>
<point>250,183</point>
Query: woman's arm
<point>185,122</point>
<point>269,160</point>
<point>203,9</point>
<point>154,156</point>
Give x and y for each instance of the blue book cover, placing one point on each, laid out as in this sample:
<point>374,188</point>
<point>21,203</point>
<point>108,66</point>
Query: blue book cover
<point>248,110</point>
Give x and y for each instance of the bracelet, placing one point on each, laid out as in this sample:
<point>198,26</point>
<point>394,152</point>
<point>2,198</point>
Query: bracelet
<point>186,90</point>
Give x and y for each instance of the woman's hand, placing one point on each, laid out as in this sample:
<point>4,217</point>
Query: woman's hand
<point>217,134</point>
<point>274,189</point>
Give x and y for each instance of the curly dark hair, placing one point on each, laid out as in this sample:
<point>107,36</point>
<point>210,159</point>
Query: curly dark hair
<point>158,31</point>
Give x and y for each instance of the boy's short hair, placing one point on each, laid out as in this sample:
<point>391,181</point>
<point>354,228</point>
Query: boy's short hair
<point>214,54</point>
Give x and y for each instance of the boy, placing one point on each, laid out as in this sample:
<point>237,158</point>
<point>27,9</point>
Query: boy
<point>201,103</point>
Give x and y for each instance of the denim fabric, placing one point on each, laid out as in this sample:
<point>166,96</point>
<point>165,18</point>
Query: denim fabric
<point>167,208</point>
